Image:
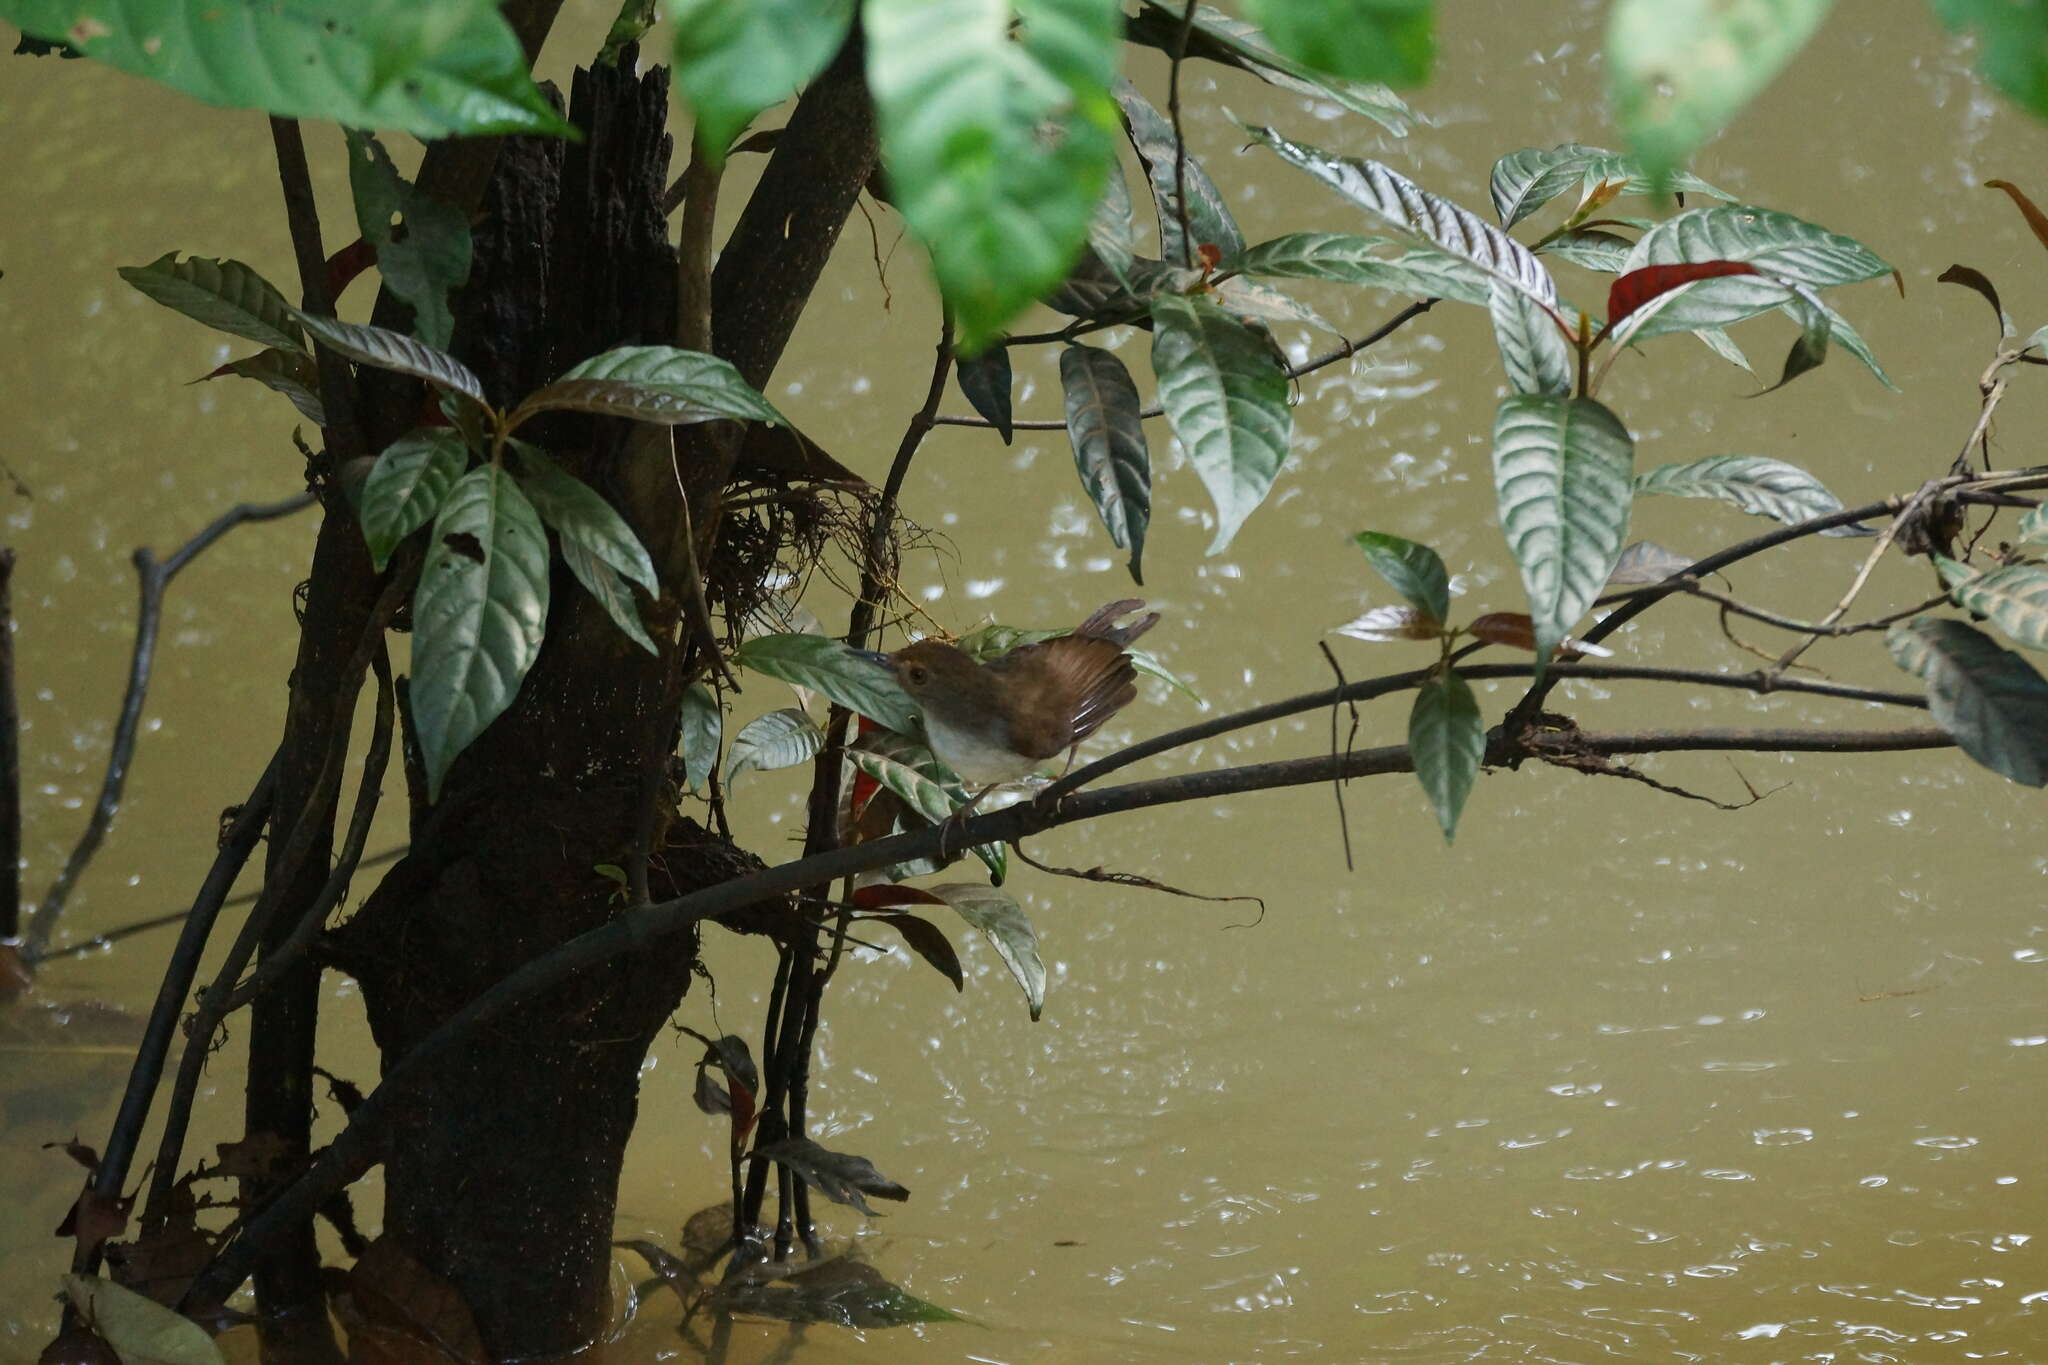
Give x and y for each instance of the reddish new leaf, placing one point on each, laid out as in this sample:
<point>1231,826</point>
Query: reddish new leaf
<point>344,265</point>
<point>1509,628</point>
<point>2036,220</point>
<point>1631,291</point>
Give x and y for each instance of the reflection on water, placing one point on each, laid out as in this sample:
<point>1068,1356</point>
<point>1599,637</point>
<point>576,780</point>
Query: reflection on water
<point>1618,1078</point>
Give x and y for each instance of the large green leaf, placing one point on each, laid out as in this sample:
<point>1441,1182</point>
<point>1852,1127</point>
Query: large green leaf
<point>422,244</point>
<point>700,730</point>
<point>597,544</point>
<point>1990,700</point>
<point>1360,40</point>
<point>1109,445</point>
<point>1000,917</point>
<point>996,145</point>
<point>1533,350</point>
<point>406,487</point>
<point>433,68</point>
<point>2012,45</point>
<point>1561,473</point>
<point>478,615</point>
<point>1219,37</point>
<point>1679,70</point>
<point>1524,181</point>
<point>225,295</point>
<point>1226,396</point>
<point>1755,483</point>
<point>388,350</point>
<point>2014,598</point>
<point>780,739</point>
<point>653,384</point>
<point>1395,202</point>
<point>1783,247</point>
<point>829,667</point>
<point>1208,215</point>
<point>1446,740</point>
<point>1415,571</point>
<point>1423,271</point>
<point>734,58</point>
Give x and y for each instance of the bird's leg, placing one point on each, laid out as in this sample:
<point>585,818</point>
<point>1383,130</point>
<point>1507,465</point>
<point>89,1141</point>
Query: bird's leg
<point>959,817</point>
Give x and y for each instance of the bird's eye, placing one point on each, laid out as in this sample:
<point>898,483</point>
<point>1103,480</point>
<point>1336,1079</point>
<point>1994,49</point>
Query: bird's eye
<point>916,676</point>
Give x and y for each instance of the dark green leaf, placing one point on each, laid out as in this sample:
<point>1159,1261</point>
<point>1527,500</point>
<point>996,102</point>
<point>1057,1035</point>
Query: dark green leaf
<point>734,58</point>
<point>929,942</point>
<point>1989,699</point>
<point>1226,396</point>
<point>1415,571</point>
<point>433,68</point>
<point>829,667</point>
<point>1446,739</point>
<point>985,379</point>
<point>478,615</point>
<point>1360,40</point>
<point>1561,472</point>
<point>224,295</point>
<point>610,589</point>
<point>999,916</point>
<point>580,514</point>
<point>422,244</point>
<point>699,735</point>
<point>388,350</point>
<point>291,373</point>
<point>1533,351</point>
<point>653,384</point>
<point>407,486</point>
<point>1219,37</point>
<point>780,739</point>
<point>1208,216</point>
<point>839,1176</point>
<point>2015,598</point>
<point>1109,445</point>
<point>1761,486</point>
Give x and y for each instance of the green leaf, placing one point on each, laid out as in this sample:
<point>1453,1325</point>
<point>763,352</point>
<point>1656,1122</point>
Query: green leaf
<point>141,1330</point>
<point>780,739</point>
<point>1208,214</point>
<point>653,384</point>
<point>1425,272</point>
<point>1361,40</point>
<point>1397,203</point>
<point>610,589</point>
<point>224,295</point>
<point>734,58</point>
<point>1226,396</point>
<point>1647,562</point>
<point>1561,473</point>
<point>407,486</point>
<point>1533,351</point>
<point>388,350</point>
<point>699,734</point>
<point>926,940</point>
<point>1757,484</point>
<point>997,146</point>
<point>1219,37</point>
<point>422,244</point>
<point>478,615</point>
<point>2015,598</point>
<point>985,379</point>
<point>433,68</point>
<point>1000,917</point>
<point>1679,70</point>
<point>1109,445</point>
<point>1524,181</point>
<point>829,667</point>
<point>1991,702</point>
<point>1261,304</point>
<point>2012,46</point>
<point>292,373</point>
<point>1723,345</point>
<point>1446,740</point>
<point>2033,526</point>
<point>1785,248</point>
<point>579,513</point>
<point>930,797</point>
<point>1415,571</point>
<point>1590,249</point>
<point>907,767</point>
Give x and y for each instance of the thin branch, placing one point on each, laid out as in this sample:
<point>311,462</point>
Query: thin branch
<point>10,764</point>
<point>153,578</point>
<point>1180,142</point>
<point>1337,788</point>
<point>1692,587</point>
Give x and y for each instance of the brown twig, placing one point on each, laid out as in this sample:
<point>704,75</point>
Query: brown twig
<point>1337,788</point>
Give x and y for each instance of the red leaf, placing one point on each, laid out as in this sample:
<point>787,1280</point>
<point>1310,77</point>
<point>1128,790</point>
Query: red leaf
<point>2035,218</point>
<point>344,265</point>
<point>1504,628</point>
<point>864,787</point>
<point>1631,291</point>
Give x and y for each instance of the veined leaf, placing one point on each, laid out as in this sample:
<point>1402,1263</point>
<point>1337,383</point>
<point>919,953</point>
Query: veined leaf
<point>1590,249</point>
<point>224,295</point>
<point>1446,740</point>
<point>1385,625</point>
<point>910,771</point>
<point>1757,484</point>
<point>735,58</point>
<point>433,68</point>
<point>1262,304</point>
<point>1415,571</point>
<point>985,379</point>
<point>406,487</point>
<point>478,615</point>
<point>1208,215</point>
<point>1002,919</point>
<point>1561,471</point>
<point>653,384</point>
<point>1679,70</point>
<point>1410,211</point>
<point>1533,350</point>
<point>1634,288</point>
<point>610,589</point>
<point>997,146</point>
<point>597,544</point>
<point>1109,445</point>
<point>1990,700</point>
<point>422,244</point>
<point>699,735</point>
<point>1524,181</point>
<point>829,667</point>
<point>2015,598</point>
<point>1226,396</point>
<point>1721,344</point>
<point>1781,247</point>
<point>1219,37</point>
<point>780,739</point>
<point>2033,525</point>
<point>1425,272</point>
<point>388,350</point>
<point>291,373</point>
<point>1646,562</point>
<point>1360,40</point>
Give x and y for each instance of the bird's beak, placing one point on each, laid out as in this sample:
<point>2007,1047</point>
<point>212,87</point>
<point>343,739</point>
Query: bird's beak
<point>874,657</point>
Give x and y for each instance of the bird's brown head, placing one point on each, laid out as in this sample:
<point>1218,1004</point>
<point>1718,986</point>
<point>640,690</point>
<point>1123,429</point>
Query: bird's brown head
<point>938,675</point>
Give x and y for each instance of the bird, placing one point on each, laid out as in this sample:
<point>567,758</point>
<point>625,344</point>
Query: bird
<point>996,722</point>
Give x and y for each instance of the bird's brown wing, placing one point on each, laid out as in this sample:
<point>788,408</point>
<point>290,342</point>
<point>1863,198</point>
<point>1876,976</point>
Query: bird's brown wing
<point>1102,624</point>
<point>1089,677</point>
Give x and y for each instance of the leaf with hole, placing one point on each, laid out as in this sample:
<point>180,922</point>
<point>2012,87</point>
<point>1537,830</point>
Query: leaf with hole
<point>1226,396</point>
<point>700,732</point>
<point>2013,598</point>
<point>998,915</point>
<point>734,60</point>
<point>422,244</point>
<point>1415,571</point>
<point>1990,700</point>
<point>407,486</point>
<point>224,295</point>
<point>1757,484</point>
<point>652,384</point>
<point>478,615</point>
<point>1446,740</point>
<point>1561,471</point>
<point>829,667</point>
<point>780,739</point>
<point>1108,437</point>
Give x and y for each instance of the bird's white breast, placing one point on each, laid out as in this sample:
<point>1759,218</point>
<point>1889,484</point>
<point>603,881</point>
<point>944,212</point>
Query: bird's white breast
<point>966,753</point>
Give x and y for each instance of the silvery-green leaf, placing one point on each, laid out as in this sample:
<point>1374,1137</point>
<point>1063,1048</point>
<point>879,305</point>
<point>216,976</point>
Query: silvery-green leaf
<point>1757,484</point>
<point>1000,917</point>
<point>1226,396</point>
<point>2014,598</point>
<point>1990,700</point>
<point>1533,351</point>
<point>780,739</point>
